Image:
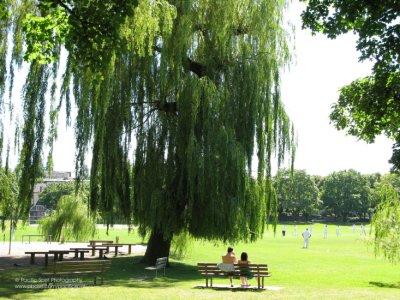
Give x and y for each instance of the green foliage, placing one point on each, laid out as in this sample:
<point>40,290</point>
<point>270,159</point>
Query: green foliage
<point>8,195</point>
<point>386,224</point>
<point>366,109</point>
<point>346,193</point>
<point>53,193</point>
<point>369,106</point>
<point>297,192</point>
<point>190,87</point>
<point>44,34</point>
<point>70,220</point>
<point>181,245</point>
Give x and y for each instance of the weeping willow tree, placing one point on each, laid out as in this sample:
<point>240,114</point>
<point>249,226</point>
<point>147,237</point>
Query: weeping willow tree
<point>174,99</point>
<point>69,220</point>
<point>386,225</point>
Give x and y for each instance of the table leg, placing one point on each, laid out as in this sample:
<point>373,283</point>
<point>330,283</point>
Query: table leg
<point>82,256</point>
<point>116,251</point>
<point>129,249</point>
<point>93,250</point>
<point>32,258</point>
<point>76,253</point>
<point>100,253</point>
<point>55,256</point>
<point>61,256</point>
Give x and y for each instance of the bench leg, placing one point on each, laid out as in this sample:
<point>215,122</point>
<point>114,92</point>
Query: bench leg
<point>76,254</point>
<point>206,282</point>
<point>92,251</point>
<point>211,284</point>
<point>82,256</point>
<point>32,258</point>
<point>101,253</point>
<point>46,259</point>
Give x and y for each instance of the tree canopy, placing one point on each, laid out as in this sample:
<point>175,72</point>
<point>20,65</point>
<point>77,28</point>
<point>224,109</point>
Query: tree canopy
<point>346,193</point>
<point>368,106</point>
<point>296,192</point>
<point>174,98</point>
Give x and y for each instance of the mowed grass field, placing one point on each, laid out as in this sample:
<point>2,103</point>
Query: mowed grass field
<point>334,268</point>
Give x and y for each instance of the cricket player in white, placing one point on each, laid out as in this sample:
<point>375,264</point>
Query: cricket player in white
<point>325,231</point>
<point>306,235</point>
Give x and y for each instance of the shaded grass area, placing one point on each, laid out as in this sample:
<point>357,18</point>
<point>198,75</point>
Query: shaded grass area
<point>334,268</point>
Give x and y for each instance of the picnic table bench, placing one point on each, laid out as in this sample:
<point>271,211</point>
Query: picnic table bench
<point>120,245</point>
<point>93,267</point>
<point>99,248</point>
<point>210,270</point>
<point>94,242</point>
<point>47,237</point>
<point>59,254</point>
<point>81,252</point>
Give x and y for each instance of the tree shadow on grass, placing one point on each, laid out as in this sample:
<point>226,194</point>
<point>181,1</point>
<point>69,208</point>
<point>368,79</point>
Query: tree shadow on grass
<point>130,272</point>
<point>386,285</point>
<point>126,271</point>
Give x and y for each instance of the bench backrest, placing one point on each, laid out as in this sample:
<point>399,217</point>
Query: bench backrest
<point>161,262</point>
<point>211,268</point>
<point>79,266</point>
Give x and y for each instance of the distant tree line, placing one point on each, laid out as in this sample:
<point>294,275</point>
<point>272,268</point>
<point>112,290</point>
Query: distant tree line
<point>339,196</point>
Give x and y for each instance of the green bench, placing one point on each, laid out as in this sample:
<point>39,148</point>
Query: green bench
<point>97,268</point>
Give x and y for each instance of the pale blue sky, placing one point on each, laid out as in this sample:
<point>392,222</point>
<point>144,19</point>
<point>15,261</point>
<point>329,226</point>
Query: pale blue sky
<point>310,87</point>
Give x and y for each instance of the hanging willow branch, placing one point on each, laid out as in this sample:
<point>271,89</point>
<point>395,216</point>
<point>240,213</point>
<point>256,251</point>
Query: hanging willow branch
<point>183,162</point>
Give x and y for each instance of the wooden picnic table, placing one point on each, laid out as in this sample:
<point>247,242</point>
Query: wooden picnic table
<point>94,242</point>
<point>47,237</point>
<point>33,253</point>
<point>116,246</point>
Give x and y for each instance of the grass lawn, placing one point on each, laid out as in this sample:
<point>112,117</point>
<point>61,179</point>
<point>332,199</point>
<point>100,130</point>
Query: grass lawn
<point>336,268</point>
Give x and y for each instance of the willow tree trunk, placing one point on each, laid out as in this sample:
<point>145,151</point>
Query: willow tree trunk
<point>158,246</point>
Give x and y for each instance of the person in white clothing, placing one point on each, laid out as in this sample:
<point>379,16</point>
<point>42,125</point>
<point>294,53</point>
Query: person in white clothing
<point>337,231</point>
<point>306,235</point>
<point>325,231</point>
<point>354,227</point>
<point>362,232</point>
<point>310,228</point>
<point>295,230</point>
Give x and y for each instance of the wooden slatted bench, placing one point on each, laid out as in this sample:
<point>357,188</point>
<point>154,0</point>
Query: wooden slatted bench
<point>92,267</point>
<point>210,270</point>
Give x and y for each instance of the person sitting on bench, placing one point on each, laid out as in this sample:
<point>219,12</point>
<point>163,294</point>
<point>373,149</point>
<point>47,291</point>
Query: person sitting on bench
<point>229,258</point>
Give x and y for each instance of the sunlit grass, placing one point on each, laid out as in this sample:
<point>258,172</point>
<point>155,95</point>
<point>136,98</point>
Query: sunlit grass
<point>333,268</point>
